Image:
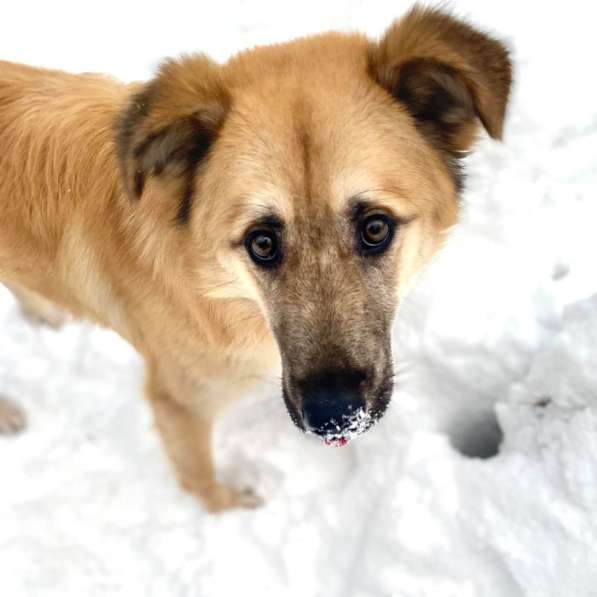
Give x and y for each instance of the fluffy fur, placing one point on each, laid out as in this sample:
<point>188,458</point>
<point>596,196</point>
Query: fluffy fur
<point>128,205</point>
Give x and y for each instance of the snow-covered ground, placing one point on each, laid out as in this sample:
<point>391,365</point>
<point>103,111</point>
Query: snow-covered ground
<point>503,324</point>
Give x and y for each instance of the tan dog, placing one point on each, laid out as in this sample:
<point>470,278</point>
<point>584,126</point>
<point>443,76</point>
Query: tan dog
<point>225,217</point>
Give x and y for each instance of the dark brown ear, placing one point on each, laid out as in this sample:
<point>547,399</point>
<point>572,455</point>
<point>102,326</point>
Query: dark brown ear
<point>448,75</point>
<point>169,126</point>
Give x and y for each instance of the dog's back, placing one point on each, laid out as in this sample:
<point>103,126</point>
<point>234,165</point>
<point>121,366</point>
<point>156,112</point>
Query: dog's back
<point>58,178</point>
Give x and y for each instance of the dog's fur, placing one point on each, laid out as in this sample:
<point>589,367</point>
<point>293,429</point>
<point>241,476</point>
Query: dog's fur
<point>129,204</point>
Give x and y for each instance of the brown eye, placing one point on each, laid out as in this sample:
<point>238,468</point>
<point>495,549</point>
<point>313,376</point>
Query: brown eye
<point>375,231</point>
<point>262,246</point>
<point>375,234</point>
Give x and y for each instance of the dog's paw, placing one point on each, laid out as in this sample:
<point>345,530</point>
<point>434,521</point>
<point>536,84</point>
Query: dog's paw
<point>219,498</point>
<point>50,316</point>
<point>12,417</point>
<point>247,498</point>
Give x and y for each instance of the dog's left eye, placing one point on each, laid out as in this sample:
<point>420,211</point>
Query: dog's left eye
<point>263,247</point>
<point>375,233</point>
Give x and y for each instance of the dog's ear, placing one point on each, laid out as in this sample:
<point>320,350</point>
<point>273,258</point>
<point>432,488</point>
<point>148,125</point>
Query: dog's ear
<point>168,127</point>
<point>449,76</point>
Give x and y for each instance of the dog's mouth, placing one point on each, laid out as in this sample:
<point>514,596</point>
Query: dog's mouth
<point>336,442</point>
<point>340,433</point>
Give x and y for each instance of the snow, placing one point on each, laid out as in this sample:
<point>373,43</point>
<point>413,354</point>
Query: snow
<point>499,337</point>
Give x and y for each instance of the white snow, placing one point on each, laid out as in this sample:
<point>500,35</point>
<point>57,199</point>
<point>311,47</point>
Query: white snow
<point>504,322</point>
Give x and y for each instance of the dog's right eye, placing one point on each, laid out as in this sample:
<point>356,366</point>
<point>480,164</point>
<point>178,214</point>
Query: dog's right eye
<point>263,247</point>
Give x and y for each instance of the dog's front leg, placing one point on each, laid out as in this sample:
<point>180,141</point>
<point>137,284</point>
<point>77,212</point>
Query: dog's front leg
<point>12,418</point>
<point>187,437</point>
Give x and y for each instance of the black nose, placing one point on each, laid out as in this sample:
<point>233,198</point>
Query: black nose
<point>332,401</point>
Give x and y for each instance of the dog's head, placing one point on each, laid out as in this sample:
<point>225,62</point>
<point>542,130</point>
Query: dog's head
<point>315,178</point>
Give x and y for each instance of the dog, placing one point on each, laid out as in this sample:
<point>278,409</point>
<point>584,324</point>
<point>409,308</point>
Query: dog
<point>230,219</point>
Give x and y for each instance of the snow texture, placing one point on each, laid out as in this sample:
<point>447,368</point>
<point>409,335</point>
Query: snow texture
<point>497,343</point>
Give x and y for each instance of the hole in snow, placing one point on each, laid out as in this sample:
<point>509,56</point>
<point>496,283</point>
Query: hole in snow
<point>480,437</point>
